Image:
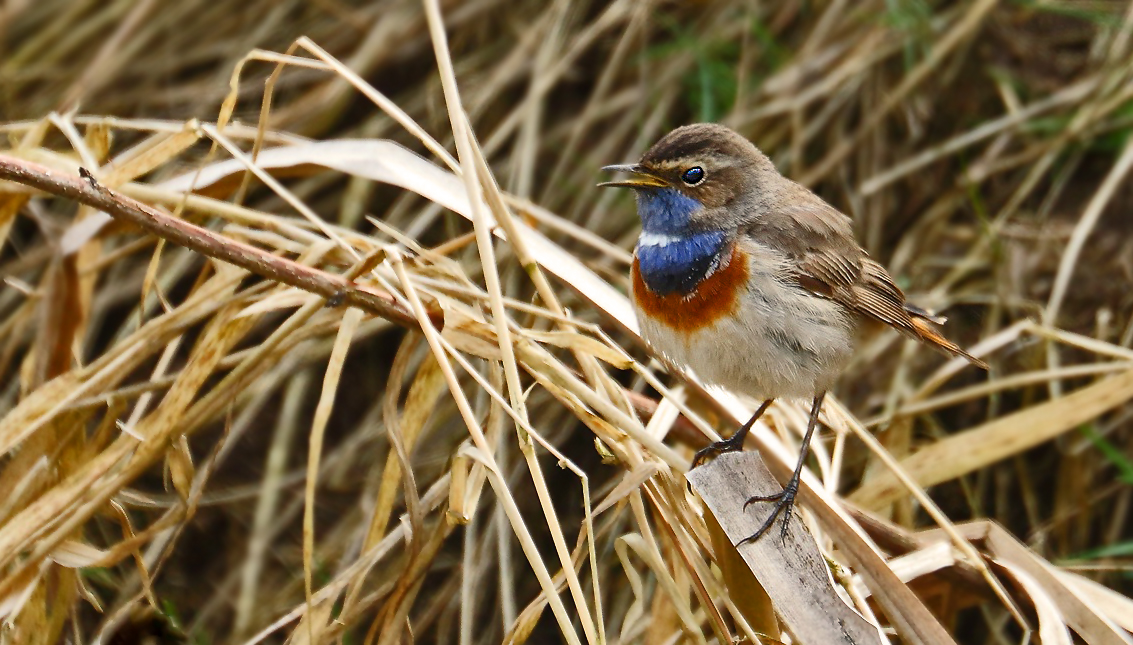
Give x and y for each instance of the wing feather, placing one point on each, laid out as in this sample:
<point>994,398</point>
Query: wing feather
<point>827,261</point>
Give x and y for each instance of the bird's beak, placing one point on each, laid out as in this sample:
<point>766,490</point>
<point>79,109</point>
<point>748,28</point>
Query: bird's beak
<point>642,178</point>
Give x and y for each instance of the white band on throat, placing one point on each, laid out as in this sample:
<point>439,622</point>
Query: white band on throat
<point>656,239</point>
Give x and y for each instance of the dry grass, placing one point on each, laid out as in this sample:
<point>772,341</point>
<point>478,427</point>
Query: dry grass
<point>490,454</point>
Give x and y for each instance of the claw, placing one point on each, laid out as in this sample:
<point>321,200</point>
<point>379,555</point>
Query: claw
<point>717,447</point>
<point>765,498</point>
<point>784,503</point>
<point>785,499</point>
<point>733,443</point>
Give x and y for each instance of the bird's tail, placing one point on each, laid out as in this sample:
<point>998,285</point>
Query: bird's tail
<point>928,334</point>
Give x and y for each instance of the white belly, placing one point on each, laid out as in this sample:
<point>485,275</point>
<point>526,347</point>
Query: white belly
<point>781,342</point>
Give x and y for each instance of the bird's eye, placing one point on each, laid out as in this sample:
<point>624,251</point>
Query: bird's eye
<point>693,176</point>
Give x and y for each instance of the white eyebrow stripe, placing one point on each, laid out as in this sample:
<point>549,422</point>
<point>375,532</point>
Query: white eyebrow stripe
<point>657,239</point>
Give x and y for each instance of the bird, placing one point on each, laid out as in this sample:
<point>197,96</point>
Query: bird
<point>753,281</point>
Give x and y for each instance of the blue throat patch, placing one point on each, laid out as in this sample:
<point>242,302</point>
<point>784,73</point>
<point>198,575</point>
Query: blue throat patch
<point>677,257</point>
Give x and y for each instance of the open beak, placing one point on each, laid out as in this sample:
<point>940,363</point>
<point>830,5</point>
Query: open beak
<point>641,178</point>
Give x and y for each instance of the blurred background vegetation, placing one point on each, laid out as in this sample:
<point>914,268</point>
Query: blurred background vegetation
<point>980,147</point>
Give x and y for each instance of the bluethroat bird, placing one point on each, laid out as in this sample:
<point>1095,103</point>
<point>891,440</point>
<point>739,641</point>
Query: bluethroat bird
<point>753,281</point>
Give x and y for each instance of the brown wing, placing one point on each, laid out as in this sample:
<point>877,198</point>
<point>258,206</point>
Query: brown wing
<point>878,297</point>
<point>828,262</point>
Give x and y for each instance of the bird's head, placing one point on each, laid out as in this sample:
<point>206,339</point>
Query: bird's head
<point>695,178</point>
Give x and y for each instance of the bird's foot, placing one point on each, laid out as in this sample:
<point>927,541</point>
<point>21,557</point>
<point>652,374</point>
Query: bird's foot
<point>734,443</point>
<point>784,504</point>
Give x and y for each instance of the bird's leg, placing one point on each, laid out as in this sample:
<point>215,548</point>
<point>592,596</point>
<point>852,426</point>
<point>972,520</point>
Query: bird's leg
<point>732,443</point>
<point>785,499</point>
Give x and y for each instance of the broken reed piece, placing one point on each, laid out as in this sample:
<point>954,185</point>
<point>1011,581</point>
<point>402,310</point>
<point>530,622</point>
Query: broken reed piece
<point>791,571</point>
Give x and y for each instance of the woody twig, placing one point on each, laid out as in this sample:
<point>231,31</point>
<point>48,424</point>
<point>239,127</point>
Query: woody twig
<point>86,190</point>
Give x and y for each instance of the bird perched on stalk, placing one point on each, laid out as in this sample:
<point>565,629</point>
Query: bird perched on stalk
<point>753,281</point>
